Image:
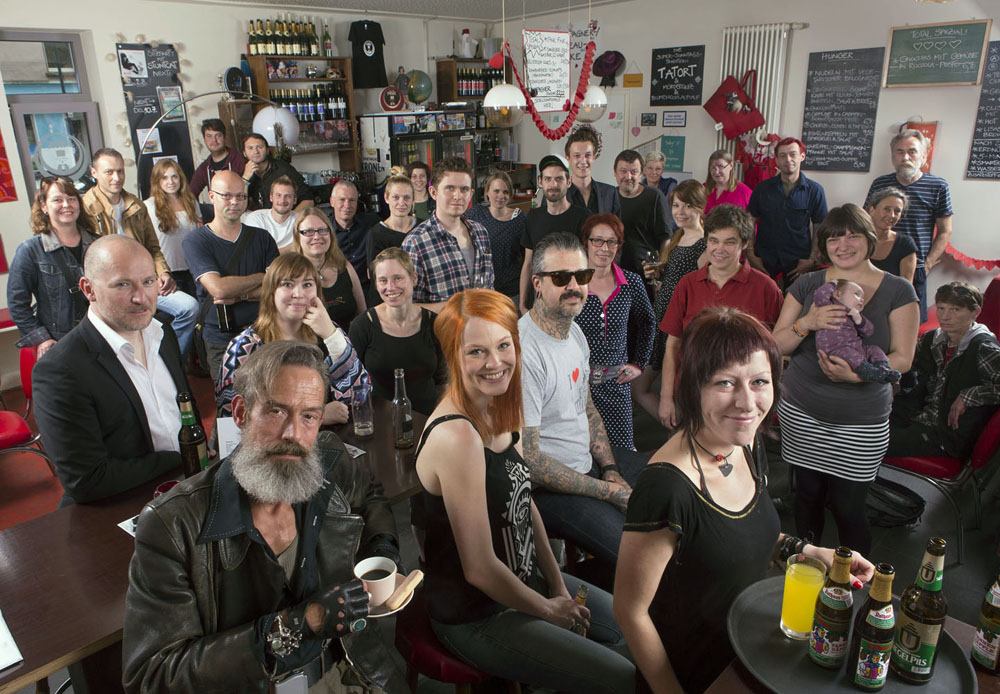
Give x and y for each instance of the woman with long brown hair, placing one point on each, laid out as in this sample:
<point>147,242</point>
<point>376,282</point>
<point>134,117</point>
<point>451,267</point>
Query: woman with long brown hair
<point>290,309</point>
<point>495,594</point>
<point>48,266</point>
<point>721,184</point>
<point>174,212</point>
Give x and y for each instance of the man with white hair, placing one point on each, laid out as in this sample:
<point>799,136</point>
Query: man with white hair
<point>929,205</point>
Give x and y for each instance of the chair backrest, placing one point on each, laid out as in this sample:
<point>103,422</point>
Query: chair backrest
<point>987,443</point>
<point>27,362</point>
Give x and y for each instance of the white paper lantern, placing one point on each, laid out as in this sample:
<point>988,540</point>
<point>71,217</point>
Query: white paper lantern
<point>273,122</point>
<point>504,105</point>
<point>595,103</point>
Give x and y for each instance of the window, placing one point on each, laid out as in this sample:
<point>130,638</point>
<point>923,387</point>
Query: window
<point>56,125</point>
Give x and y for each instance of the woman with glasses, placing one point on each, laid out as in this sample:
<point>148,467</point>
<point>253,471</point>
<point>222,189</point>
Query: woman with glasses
<point>291,309</point>
<point>505,224</point>
<point>43,292</point>
<point>174,212</point>
<point>721,184</point>
<point>341,290</point>
<point>617,320</point>
<point>652,171</point>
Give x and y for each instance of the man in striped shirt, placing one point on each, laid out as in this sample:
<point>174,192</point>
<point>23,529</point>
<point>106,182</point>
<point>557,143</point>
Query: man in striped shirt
<point>929,205</point>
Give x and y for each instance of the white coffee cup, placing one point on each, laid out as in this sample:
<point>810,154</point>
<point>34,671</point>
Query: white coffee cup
<point>380,587</point>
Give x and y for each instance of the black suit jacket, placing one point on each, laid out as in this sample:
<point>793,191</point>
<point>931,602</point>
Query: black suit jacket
<point>91,419</point>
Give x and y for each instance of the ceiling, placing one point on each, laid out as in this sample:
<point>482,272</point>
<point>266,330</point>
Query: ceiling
<point>476,10</point>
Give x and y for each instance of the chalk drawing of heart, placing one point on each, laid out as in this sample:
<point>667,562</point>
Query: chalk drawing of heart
<point>954,44</point>
<point>576,374</point>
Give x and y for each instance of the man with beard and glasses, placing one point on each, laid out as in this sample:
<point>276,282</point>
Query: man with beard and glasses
<point>106,393</point>
<point>242,575</point>
<point>583,483</point>
<point>929,205</point>
<point>557,214</point>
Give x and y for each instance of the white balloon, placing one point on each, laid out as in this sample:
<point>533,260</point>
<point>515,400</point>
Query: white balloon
<point>271,118</point>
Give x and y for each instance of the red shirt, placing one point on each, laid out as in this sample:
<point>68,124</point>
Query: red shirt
<point>749,290</point>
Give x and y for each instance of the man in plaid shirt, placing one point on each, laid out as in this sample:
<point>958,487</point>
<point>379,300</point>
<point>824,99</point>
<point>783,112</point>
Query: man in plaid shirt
<point>450,253</point>
<point>957,390</point>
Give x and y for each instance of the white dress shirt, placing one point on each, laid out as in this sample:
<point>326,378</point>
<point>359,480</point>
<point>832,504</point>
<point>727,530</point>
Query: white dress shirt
<point>152,382</point>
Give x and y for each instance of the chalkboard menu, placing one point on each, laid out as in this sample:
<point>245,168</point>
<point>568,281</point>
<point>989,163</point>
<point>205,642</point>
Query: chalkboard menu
<point>152,87</point>
<point>984,155</point>
<point>930,55</point>
<point>677,76</point>
<point>838,125</point>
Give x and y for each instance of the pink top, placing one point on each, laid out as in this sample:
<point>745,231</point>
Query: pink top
<point>720,196</point>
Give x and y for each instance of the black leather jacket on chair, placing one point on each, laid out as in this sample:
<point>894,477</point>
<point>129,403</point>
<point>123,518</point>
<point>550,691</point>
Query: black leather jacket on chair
<point>202,578</point>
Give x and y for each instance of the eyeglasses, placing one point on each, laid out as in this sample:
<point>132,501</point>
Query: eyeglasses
<point>560,278</point>
<point>612,244</point>
<point>322,231</point>
<point>240,197</point>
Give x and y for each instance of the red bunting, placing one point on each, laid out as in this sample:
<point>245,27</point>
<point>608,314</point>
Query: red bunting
<point>971,262</point>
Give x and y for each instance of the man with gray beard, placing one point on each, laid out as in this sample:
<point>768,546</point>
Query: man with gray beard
<point>243,574</point>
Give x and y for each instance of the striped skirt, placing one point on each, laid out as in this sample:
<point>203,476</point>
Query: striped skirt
<point>849,451</point>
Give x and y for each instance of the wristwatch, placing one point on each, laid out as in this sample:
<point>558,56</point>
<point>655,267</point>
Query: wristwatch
<point>282,640</point>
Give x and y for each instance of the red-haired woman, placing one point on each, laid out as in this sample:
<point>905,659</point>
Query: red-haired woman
<point>700,525</point>
<point>495,594</point>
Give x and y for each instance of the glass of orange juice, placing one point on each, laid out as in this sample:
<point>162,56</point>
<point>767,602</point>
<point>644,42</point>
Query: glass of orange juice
<point>804,576</point>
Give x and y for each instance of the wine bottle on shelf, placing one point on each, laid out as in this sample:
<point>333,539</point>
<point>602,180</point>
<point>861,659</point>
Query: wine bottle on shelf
<point>331,102</point>
<point>252,40</point>
<point>268,38</point>
<point>314,40</point>
<point>320,104</point>
<point>327,41</point>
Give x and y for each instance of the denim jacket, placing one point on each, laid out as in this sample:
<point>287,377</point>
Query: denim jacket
<point>36,272</point>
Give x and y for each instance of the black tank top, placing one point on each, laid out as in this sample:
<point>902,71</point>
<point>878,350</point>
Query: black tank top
<point>339,300</point>
<point>450,598</point>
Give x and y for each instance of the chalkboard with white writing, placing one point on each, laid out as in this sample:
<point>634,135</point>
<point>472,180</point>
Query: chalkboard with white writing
<point>677,76</point>
<point>838,124</point>
<point>933,55</point>
<point>984,155</point>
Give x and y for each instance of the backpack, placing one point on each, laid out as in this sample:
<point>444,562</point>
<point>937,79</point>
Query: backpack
<point>890,505</point>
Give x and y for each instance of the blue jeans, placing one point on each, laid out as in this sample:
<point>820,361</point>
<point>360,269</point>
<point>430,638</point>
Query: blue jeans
<point>184,308</point>
<point>527,649</point>
<point>593,525</point>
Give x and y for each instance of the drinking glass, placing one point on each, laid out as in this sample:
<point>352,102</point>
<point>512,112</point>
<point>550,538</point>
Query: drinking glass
<point>361,411</point>
<point>804,576</point>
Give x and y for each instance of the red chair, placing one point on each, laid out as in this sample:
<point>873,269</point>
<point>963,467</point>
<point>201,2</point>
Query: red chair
<point>425,655</point>
<point>949,475</point>
<point>15,434</point>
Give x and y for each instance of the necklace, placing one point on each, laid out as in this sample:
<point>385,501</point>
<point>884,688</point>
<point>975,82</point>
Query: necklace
<point>726,468</point>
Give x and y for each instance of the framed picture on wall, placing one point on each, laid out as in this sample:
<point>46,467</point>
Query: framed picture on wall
<point>648,120</point>
<point>675,119</point>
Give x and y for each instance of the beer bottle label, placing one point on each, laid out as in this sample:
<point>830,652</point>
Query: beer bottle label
<point>187,417</point>
<point>882,618</point>
<point>914,646</point>
<point>836,597</point>
<point>873,664</point>
<point>828,641</point>
<point>203,455</point>
<point>931,577</point>
<point>993,597</point>
<point>986,643</point>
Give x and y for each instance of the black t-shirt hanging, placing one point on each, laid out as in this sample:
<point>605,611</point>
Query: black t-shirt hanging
<point>369,63</point>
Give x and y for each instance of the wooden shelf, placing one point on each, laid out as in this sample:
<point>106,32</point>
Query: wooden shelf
<point>307,79</point>
<point>304,57</point>
<point>313,150</point>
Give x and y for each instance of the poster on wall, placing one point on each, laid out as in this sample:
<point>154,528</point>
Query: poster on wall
<point>7,190</point>
<point>838,119</point>
<point>578,40</point>
<point>677,76</point>
<point>984,154</point>
<point>546,66</point>
<point>152,87</point>
<point>930,132</point>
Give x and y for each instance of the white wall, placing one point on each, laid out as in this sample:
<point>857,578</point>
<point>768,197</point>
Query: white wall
<point>635,28</point>
<point>209,38</point>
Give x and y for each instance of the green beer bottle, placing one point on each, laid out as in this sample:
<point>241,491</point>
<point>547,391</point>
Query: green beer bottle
<point>922,611</point>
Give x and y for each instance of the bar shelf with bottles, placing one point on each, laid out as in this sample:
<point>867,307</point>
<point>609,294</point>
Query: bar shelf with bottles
<point>468,78</point>
<point>288,37</point>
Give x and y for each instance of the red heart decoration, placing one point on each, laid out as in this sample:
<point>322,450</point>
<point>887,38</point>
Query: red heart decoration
<point>576,374</point>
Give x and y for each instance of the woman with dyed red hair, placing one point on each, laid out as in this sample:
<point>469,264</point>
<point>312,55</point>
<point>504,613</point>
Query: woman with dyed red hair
<point>495,595</point>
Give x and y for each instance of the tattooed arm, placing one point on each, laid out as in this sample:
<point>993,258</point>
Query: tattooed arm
<point>551,474</point>
<point>600,446</point>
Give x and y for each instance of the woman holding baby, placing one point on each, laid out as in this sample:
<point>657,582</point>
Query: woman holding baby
<point>834,423</point>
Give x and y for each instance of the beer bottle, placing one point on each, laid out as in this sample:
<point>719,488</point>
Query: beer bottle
<point>194,447</point>
<point>832,619</point>
<point>402,414</point>
<point>874,628</point>
<point>986,643</point>
<point>922,608</point>
<point>581,599</point>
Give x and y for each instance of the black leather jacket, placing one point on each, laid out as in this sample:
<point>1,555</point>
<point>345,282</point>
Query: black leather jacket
<point>202,579</point>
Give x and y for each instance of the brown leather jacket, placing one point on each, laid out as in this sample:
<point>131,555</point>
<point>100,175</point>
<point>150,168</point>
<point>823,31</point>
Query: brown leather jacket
<point>135,220</point>
<point>202,578</point>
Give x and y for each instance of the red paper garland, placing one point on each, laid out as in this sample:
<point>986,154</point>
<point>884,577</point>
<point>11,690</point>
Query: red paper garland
<point>971,262</point>
<point>581,90</point>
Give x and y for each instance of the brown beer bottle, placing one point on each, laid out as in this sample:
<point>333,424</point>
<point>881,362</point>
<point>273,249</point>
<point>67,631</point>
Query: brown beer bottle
<point>874,628</point>
<point>581,599</point>
<point>194,446</point>
<point>923,608</point>
<point>832,620</point>
<point>986,643</point>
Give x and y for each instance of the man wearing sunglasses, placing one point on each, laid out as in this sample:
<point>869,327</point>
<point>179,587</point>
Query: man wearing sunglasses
<point>582,485</point>
<point>228,259</point>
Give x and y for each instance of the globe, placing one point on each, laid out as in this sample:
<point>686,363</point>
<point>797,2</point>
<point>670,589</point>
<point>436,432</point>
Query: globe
<point>420,86</point>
